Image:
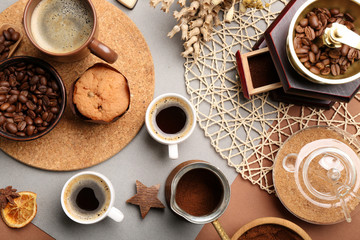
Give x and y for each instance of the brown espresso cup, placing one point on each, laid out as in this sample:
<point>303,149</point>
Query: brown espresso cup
<point>66,31</point>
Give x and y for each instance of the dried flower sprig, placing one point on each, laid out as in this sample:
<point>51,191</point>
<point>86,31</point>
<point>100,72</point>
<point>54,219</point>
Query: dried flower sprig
<point>197,20</point>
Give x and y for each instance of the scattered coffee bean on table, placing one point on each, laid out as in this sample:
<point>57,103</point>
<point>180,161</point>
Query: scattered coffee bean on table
<point>29,99</point>
<point>322,60</point>
<point>7,38</point>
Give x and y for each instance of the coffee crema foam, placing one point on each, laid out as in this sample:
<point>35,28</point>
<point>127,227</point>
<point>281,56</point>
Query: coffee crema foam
<point>61,26</point>
<point>102,193</point>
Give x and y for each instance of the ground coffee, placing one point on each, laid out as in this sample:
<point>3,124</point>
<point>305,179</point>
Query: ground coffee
<point>270,232</point>
<point>199,192</point>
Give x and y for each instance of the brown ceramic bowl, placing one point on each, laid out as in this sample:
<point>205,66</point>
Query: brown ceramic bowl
<point>272,221</point>
<point>55,75</point>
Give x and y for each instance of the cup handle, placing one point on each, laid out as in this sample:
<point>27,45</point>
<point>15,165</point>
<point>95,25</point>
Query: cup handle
<point>116,215</point>
<point>220,230</point>
<point>173,151</point>
<point>102,51</point>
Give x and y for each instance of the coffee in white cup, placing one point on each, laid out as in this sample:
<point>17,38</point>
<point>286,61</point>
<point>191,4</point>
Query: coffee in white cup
<point>170,119</point>
<point>88,198</point>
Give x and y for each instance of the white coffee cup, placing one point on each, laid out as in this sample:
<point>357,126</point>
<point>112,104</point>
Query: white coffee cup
<point>171,107</point>
<point>78,198</point>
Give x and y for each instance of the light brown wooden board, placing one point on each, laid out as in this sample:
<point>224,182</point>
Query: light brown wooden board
<point>75,144</point>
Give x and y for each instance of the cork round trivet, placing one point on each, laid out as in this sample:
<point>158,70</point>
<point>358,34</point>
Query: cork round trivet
<point>75,144</point>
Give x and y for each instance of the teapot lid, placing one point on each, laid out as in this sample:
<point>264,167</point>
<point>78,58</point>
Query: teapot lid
<point>327,173</point>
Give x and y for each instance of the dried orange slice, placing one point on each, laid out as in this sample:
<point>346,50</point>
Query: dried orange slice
<point>22,213</point>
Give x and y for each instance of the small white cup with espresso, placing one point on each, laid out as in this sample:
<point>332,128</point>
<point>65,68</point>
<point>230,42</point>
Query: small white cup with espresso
<point>65,30</point>
<point>170,119</point>
<point>88,197</point>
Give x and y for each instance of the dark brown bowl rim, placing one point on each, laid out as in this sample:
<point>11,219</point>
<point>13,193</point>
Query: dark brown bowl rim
<point>17,59</point>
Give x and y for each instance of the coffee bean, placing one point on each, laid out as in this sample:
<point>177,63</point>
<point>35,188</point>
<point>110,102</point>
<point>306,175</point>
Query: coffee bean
<point>304,59</point>
<point>335,53</point>
<point>13,98</point>
<point>4,90</point>
<point>11,109</point>
<point>2,98</point>
<point>42,88</point>
<point>4,106</point>
<point>30,129</point>
<point>21,134</point>
<point>38,121</point>
<point>320,65</point>
<point>299,29</point>
<point>4,84</point>
<point>314,21</point>
<point>2,48</point>
<point>11,127</point>
<point>43,81</point>
<point>18,118</point>
<point>314,48</point>
<point>49,117</point>
<point>7,35</point>
<point>7,43</point>
<point>301,51</point>
<point>55,110</point>
<point>304,22</point>
<point>22,98</point>
<point>2,120</point>
<point>18,107</point>
<point>31,114</point>
<point>15,36</point>
<point>314,70</point>
<point>307,64</point>
<point>30,105</point>
<point>309,33</point>
<point>334,11</point>
<point>46,100</point>
<point>351,54</point>
<point>9,117</point>
<point>335,69</point>
<point>21,126</point>
<point>325,71</point>
<point>306,41</point>
<point>28,120</point>
<point>312,57</point>
<point>349,17</point>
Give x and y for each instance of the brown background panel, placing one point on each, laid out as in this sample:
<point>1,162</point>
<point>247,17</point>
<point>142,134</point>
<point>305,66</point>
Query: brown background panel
<point>75,144</point>
<point>29,232</point>
<point>249,202</point>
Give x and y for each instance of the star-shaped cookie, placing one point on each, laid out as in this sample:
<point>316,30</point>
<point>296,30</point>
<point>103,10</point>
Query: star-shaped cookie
<point>146,198</point>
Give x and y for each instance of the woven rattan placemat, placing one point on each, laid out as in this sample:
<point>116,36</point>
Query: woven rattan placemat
<point>248,133</point>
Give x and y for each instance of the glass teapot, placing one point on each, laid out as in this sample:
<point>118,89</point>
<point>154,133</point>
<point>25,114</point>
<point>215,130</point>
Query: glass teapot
<point>326,172</point>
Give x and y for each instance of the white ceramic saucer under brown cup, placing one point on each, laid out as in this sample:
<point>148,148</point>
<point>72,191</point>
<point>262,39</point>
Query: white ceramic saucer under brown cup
<point>91,45</point>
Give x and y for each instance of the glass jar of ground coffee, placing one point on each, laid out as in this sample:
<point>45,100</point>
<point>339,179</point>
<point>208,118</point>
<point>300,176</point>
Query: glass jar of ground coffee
<point>317,175</point>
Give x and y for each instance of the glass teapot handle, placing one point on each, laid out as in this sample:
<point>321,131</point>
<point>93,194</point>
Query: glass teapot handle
<point>289,162</point>
<point>341,190</point>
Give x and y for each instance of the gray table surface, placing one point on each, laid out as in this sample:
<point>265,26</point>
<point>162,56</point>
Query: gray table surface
<point>143,159</point>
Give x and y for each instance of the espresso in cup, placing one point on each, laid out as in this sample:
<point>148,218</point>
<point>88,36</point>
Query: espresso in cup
<point>62,26</point>
<point>87,197</point>
<point>171,118</point>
